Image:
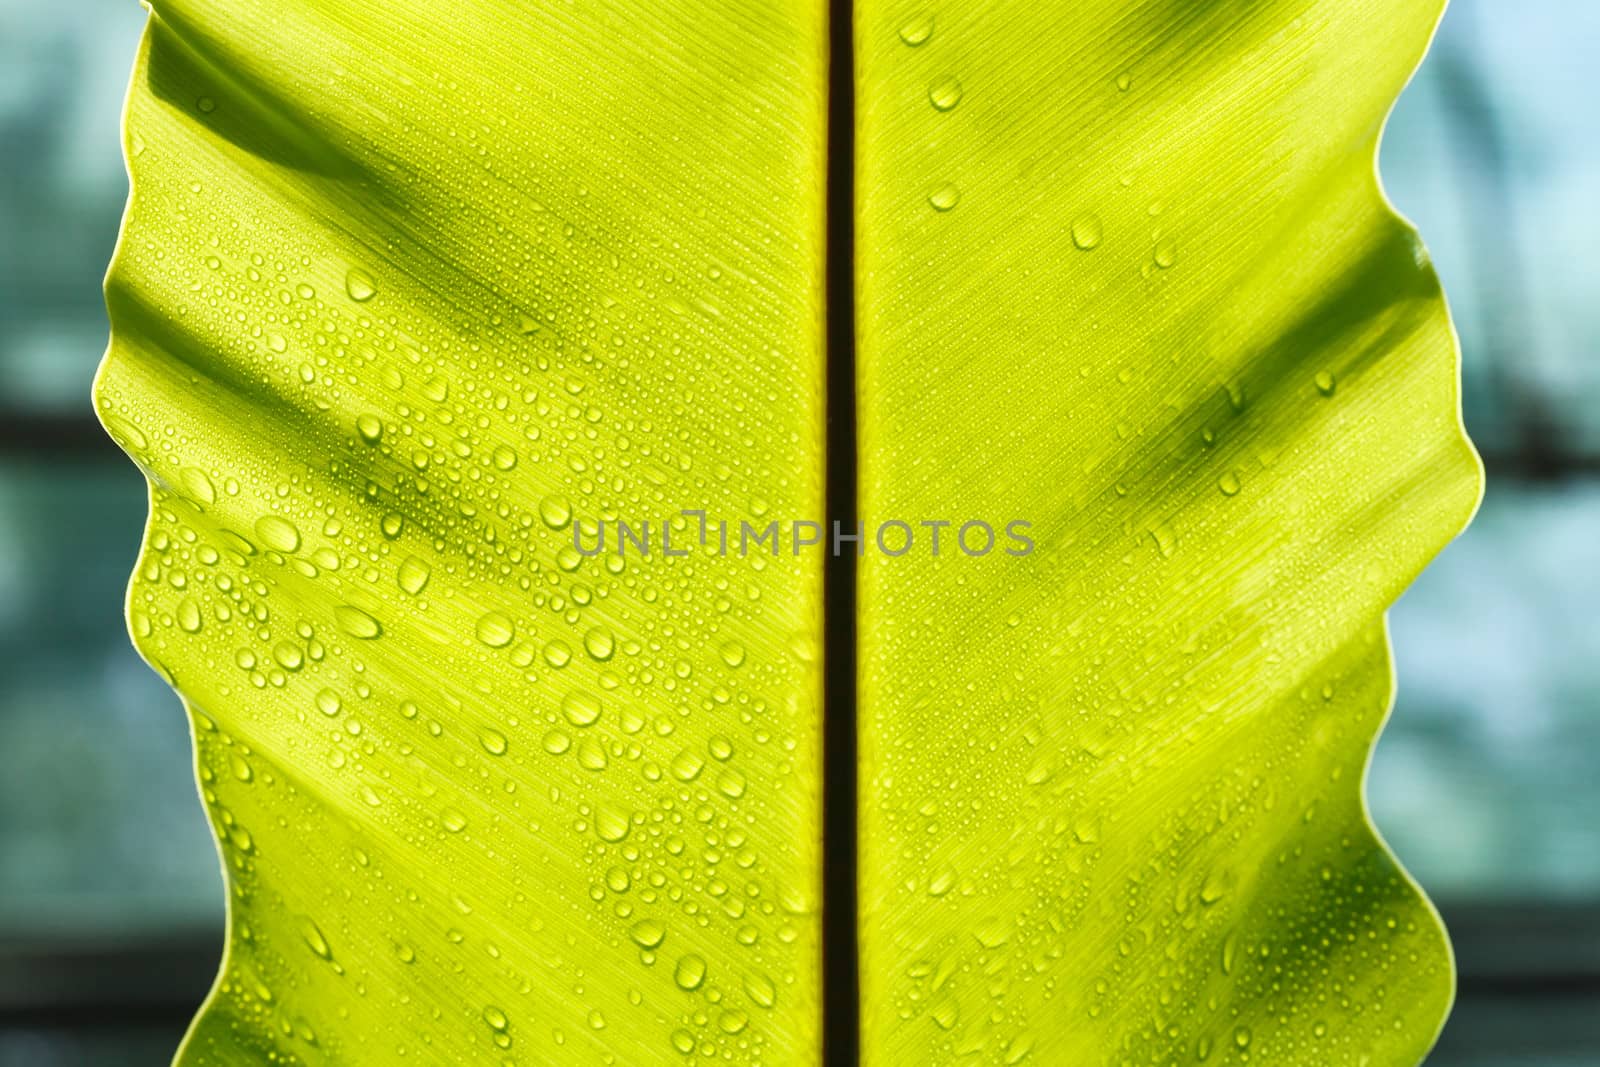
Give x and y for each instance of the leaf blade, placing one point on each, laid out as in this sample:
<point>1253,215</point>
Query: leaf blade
<point>1136,284</point>
<point>403,295</point>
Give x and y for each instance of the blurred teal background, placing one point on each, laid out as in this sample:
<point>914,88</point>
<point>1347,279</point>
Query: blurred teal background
<point>1485,782</point>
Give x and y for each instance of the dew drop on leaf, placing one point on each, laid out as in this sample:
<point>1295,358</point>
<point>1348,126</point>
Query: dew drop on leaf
<point>580,708</point>
<point>690,972</point>
<point>555,512</point>
<point>277,533</point>
<point>1087,231</point>
<point>496,630</point>
<point>359,285</point>
<point>599,643</point>
<point>357,623</point>
<point>648,933</point>
<point>612,825</point>
<point>687,765</point>
<point>945,197</point>
<point>760,990</point>
<point>315,940</point>
<point>413,575</point>
<point>945,93</point>
<point>915,31</point>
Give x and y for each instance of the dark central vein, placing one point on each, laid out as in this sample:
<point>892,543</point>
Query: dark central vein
<point>841,983</point>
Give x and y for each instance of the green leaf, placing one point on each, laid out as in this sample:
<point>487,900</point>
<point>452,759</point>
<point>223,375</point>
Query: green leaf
<point>414,300</point>
<point>1139,286</point>
<point>405,291</point>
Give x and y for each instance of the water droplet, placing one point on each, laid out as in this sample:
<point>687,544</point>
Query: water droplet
<point>1229,484</point>
<point>580,708</point>
<point>453,820</point>
<point>944,197</point>
<point>555,512</point>
<point>760,990</point>
<point>687,765</point>
<point>359,284</point>
<point>1166,254</point>
<point>612,824</point>
<point>916,30</point>
<point>648,933</point>
<point>733,654</point>
<point>277,533</point>
<point>357,623</point>
<point>413,575</point>
<point>1230,949</point>
<point>198,485</point>
<point>493,742</point>
<point>690,972</point>
<point>370,427</point>
<point>592,755</point>
<point>328,702</point>
<point>314,939</point>
<point>495,1018</point>
<point>496,630</point>
<point>947,1013</point>
<point>1166,543</point>
<point>1241,1036</point>
<point>1325,383</point>
<point>189,616</point>
<point>945,93</point>
<point>1087,231</point>
<point>1124,82</point>
<point>505,457</point>
<point>599,643</point>
<point>557,654</point>
<point>206,104</point>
